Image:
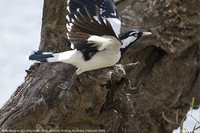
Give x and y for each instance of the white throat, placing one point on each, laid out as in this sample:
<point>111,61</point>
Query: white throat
<point>126,42</point>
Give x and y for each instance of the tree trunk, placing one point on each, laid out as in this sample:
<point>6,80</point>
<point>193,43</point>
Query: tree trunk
<point>125,98</point>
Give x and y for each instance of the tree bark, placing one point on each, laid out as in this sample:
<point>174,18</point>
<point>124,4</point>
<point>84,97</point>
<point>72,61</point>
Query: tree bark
<point>125,98</point>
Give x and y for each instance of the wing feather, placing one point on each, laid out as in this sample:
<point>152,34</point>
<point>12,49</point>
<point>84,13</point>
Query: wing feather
<point>90,17</point>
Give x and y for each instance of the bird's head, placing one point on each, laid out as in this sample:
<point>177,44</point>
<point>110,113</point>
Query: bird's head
<point>130,37</point>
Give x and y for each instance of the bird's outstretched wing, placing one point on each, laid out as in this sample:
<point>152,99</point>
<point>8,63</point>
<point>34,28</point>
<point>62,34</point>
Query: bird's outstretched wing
<point>91,17</point>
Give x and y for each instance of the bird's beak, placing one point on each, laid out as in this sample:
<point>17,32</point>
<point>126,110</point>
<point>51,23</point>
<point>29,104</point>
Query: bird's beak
<point>146,33</point>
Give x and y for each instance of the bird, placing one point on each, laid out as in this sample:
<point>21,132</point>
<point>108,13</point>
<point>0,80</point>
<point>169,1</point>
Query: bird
<point>93,30</point>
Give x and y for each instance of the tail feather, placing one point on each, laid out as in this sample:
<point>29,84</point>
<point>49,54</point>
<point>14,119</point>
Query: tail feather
<point>42,56</point>
<point>66,57</point>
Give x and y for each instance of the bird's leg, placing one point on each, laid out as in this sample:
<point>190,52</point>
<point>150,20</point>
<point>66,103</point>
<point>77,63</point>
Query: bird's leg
<point>70,83</point>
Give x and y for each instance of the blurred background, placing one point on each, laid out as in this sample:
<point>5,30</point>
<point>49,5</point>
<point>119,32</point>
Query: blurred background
<point>20,25</point>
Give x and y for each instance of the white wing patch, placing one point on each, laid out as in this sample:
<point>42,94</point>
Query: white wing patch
<point>116,25</point>
<point>98,41</point>
<point>105,42</point>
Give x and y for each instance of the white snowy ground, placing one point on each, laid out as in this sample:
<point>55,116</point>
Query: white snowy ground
<point>20,25</point>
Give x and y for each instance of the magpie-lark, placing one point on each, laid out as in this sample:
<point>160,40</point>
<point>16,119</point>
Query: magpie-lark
<point>93,29</point>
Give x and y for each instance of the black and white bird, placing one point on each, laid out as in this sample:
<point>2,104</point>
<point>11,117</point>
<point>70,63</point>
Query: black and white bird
<point>93,29</point>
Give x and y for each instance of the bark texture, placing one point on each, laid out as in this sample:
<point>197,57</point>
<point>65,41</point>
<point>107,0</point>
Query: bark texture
<point>126,98</point>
